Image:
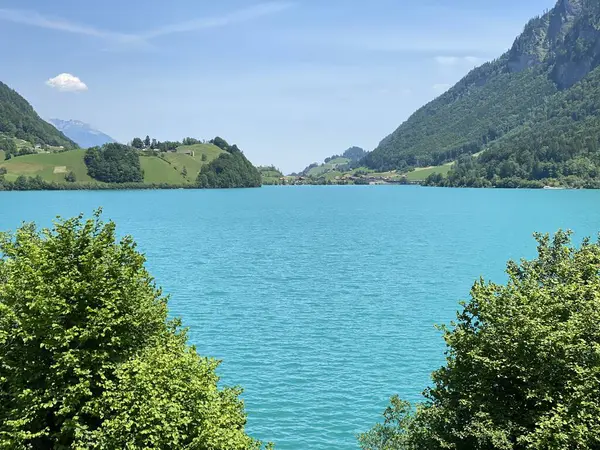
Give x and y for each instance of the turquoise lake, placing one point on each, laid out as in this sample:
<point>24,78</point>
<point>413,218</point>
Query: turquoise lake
<point>321,301</point>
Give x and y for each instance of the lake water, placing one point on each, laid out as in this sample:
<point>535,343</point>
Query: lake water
<point>321,301</point>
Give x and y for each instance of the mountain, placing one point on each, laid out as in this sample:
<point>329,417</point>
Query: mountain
<point>532,112</point>
<point>335,163</point>
<point>19,120</point>
<point>82,133</point>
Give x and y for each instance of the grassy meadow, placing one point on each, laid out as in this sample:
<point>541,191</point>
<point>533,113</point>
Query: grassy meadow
<point>167,168</point>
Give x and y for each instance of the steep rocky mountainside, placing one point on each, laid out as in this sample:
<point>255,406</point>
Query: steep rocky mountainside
<point>555,52</point>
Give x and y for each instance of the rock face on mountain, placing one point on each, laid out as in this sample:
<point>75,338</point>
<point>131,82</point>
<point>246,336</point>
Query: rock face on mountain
<point>82,133</point>
<point>555,52</point>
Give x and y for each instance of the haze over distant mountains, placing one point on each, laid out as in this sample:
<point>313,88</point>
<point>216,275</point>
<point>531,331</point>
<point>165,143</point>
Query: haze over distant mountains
<point>82,133</point>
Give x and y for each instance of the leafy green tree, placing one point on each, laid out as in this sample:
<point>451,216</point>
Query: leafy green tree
<point>523,364</point>
<point>88,356</point>
<point>190,141</point>
<point>21,183</point>
<point>229,170</point>
<point>71,177</point>
<point>221,143</point>
<point>9,147</point>
<point>137,143</point>
<point>354,153</point>
<point>114,163</point>
<point>184,171</point>
<point>204,157</point>
<point>147,142</point>
<point>3,171</point>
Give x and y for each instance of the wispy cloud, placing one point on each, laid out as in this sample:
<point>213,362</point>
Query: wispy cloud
<point>35,19</point>
<point>240,16</point>
<point>456,60</point>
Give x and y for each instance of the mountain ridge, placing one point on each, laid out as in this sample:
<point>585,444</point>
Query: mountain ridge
<point>82,133</point>
<point>19,120</point>
<point>554,52</point>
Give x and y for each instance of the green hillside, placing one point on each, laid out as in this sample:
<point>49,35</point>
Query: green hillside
<point>180,168</point>
<point>270,175</point>
<point>558,146</point>
<point>18,119</point>
<point>330,166</point>
<point>335,163</point>
<point>515,98</point>
<point>157,170</point>
<point>50,166</point>
<point>231,169</point>
<point>422,173</point>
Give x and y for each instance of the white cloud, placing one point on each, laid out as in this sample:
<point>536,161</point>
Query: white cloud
<point>36,19</point>
<point>440,88</point>
<point>65,82</point>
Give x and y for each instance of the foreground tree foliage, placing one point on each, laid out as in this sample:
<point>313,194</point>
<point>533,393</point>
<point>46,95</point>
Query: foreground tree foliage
<point>88,357</point>
<point>523,363</point>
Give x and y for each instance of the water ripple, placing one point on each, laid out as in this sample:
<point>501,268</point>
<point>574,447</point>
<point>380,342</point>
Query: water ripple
<point>321,301</point>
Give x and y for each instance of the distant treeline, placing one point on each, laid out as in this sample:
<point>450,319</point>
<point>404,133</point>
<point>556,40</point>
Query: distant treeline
<point>37,183</point>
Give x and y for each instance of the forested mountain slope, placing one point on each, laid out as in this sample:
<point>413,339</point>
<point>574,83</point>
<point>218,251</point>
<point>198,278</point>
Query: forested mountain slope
<point>559,145</point>
<point>527,86</point>
<point>18,119</point>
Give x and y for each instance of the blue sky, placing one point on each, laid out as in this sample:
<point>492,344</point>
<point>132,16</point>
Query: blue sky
<point>291,82</point>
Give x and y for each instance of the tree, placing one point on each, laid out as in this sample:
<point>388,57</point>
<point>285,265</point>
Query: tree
<point>147,142</point>
<point>114,163</point>
<point>88,356</point>
<point>9,147</point>
<point>184,171</point>
<point>21,183</point>
<point>204,157</point>
<point>221,143</point>
<point>3,171</point>
<point>154,144</point>
<point>522,368</point>
<point>229,170</point>
<point>190,141</point>
<point>137,143</point>
<point>70,177</point>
